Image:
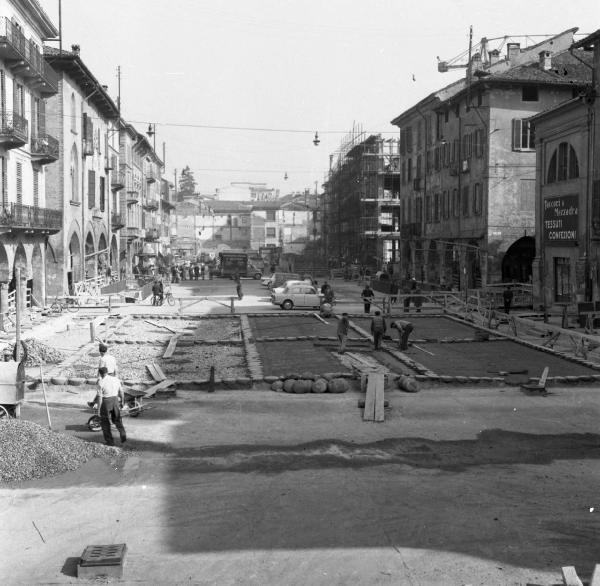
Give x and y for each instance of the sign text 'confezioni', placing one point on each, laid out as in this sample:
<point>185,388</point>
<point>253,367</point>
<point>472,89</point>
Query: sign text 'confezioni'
<point>561,219</point>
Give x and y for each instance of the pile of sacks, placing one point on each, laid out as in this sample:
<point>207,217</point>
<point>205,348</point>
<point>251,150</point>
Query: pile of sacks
<point>308,382</point>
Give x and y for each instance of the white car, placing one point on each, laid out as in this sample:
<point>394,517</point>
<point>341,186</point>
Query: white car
<point>297,295</point>
<point>291,282</point>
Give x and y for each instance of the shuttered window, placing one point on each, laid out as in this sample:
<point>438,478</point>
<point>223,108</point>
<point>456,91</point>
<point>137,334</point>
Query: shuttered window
<point>4,185</point>
<point>102,194</point>
<point>91,189</point>
<point>19,183</point>
<point>523,135</point>
<point>36,188</point>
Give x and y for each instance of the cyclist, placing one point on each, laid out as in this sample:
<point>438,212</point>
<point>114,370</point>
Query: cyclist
<point>157,292</point>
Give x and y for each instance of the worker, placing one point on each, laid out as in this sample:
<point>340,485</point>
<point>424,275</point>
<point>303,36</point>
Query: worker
<point>110,394</point>
<point>367,297</point>
<point>378,329</point>
<point>157,292</point>
<point>507,297</point>
<point>342,332</point>
<point>404,330</point>
<point>238,286</point>
<point>109,362</point>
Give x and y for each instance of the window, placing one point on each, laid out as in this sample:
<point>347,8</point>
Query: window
<point>428,210</point>
<point>36,188</point>
<point>418,174</point>
<point>523,135</point>
<point>19,99</point>
<point>429,166</point>
<point>437,158</point>
<point>529,93</point>
<point>455,203</point>
<point>91,189</point>
<point>403,172</point>
<point>74,174</point>
<point>271,233</point>
<point>270,215</point>
<point>235,222</point>
<point>479,143</point>
<point>477,199</point>
<point>563,164</point>
<point>479,99</point>
<point>446,204</point>
<point>465,201</point>
<point>419,135</point>
<point>418,210</point>
<point>409,170</point>
<point>409,140</point>
<point>562,279</point>
<point>436,207</point>
<point>439,128</point>
<point>101,193</point>
<point>4,185</point>
<point>73,114</point>
<point>527,200</point>
<point>19,184</point>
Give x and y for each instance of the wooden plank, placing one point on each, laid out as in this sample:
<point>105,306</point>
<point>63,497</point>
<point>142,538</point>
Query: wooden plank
<point>159,371</point>
<point>369,413</point>
<point>570,577</point>
<point>544,376</point>
<point>171,347</point>
<point>379,395</point>
<point>152,323</point>
<point>595,581</point>
<point>161,385</point>
<point>153,372</point>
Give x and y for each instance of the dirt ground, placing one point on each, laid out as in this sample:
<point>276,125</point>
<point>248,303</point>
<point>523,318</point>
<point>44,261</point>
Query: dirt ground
<point>458,486</point>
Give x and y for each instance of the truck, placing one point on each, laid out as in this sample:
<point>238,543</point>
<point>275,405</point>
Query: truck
<point>231,263</point>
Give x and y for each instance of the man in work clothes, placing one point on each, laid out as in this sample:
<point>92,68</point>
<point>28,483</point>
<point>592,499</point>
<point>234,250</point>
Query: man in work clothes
<point>109,395</point>
<point>507,297</point>
<point>342,332</point>
<point>367,296</point>
<point>109,362</point>
<point>404,330</point>
<point>378,329</point>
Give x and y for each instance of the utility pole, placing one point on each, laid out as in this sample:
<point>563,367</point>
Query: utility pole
<point>119,89</point>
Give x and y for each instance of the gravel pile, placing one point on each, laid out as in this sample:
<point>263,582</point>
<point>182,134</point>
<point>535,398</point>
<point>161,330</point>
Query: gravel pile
<point>32,451</point>
<point>39,353</point>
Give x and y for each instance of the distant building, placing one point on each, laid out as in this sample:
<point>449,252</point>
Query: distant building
<point>246,191</point>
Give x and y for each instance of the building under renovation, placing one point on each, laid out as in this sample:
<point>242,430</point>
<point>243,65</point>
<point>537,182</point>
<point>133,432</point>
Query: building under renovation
<point>362,202</point>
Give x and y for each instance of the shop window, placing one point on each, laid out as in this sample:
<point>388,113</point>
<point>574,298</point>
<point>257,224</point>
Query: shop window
<point>562,279</point>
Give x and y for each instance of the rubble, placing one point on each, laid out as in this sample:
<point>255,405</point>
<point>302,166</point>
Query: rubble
<point>32,451</point>
<point>38,353</point>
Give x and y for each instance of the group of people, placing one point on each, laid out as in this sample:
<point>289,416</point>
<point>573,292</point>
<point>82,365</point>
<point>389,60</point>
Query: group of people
<point>191,272</point>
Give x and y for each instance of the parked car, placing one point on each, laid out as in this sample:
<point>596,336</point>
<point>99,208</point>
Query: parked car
<point>278,279</point>
<point>297,295</point>
<point>291,282</point>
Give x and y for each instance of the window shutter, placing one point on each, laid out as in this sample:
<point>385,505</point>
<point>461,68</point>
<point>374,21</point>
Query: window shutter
<point>19,184</point>
<point>83,125</point>
<point>4,186</point>
<point>36,188</point>
<point>91,189</point>
<point>101,189</point>
<point>42,116</point>
<point>516,132</point>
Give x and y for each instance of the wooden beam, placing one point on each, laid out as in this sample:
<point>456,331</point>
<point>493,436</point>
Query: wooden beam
<point>152,323</point>
<point>379,395</point>
<point>570,577</point>
<point>161,385</point>
<point>369,413</point>
<point>595,581</point>
<point>171,347</point>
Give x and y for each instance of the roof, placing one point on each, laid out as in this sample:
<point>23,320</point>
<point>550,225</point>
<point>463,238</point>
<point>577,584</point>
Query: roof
<point>573,103</point>
<point>46,27</point>
<point>588,41</point>
<point>266,205</point>
<point>224,207</point>
<point>70,62</point>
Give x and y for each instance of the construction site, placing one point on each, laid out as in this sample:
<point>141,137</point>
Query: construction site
<point>362,201</point>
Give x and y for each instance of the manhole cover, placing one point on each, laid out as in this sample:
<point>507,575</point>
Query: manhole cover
<point>103,555</point>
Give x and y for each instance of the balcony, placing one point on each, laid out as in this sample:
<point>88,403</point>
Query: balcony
<point>133,232</point>
<point>88,147</point>
<point>14,131</point>
<point>151,205</point>
<point>117,221</point>
<point>25,59</point>
<point>118,179</point>
<point>150,175</point>
<point>152,234</point>
<point>33,219</point>
<point>44,149</point>
<point>132,197</point>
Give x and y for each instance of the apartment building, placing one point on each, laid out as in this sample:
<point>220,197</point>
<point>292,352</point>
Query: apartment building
<point>27,150</point>
<point>85,120</point>
<point>467,164</point>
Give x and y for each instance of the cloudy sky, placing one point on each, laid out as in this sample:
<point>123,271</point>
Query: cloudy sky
<point>237,89</point>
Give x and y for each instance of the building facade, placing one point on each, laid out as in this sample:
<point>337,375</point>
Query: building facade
<point>468,165</point>
<point>85,120</point>
<point>27,150</point>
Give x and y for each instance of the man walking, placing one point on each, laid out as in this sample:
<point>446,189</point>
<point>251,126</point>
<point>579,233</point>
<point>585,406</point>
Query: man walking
<point>507,297</point>
<point>107,361</point>
<point>109,395</point>
<point>367,296</point>
<point>378,329</point>
<point>238,286</point>
<point>342,332</point>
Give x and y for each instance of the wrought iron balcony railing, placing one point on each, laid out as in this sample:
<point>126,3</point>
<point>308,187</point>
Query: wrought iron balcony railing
<point>117,221</point>
<point>118,178</point>
<point>25,217</point>
<point>45,148</point>
<point>14,130</point>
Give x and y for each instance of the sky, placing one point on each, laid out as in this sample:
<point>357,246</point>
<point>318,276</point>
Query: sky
<point>238,88</point>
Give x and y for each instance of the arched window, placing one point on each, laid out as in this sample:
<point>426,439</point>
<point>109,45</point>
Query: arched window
<point>73,117</point>
<point>74,174</point>
<point>563,164</point>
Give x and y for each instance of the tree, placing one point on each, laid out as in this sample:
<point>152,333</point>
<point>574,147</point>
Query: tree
<point>187,184</point>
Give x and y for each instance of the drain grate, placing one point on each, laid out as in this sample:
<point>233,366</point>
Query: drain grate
<point>102,560</point>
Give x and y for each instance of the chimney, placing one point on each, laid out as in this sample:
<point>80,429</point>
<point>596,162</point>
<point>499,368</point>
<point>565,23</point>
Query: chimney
<point>75,49</point>
<point>512,50</point>
<point>545,60</point>
<point>494,56</point>
<point>476,61</point>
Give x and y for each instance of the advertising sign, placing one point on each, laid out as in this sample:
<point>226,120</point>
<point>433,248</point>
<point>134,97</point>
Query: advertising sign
<point>561,219</point>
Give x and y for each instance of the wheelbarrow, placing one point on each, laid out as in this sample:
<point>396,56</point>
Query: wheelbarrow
<point>133,406</point>
<point>12,388</point>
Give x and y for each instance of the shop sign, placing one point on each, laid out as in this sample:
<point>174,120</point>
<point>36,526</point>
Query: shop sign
<point>561,219</point>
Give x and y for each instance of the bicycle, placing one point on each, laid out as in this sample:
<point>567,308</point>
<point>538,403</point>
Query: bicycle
<point>169,296</point>
<point>69,303</point>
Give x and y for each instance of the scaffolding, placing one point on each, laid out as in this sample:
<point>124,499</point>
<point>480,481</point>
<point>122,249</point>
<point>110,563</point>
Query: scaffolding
<point>362,200</point>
